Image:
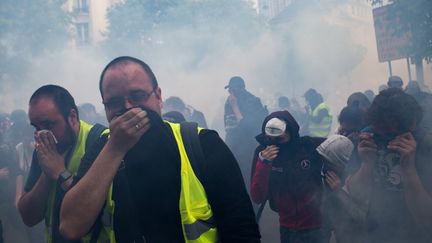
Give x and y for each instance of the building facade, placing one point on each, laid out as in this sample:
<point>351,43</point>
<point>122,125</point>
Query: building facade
<point>90,20</point>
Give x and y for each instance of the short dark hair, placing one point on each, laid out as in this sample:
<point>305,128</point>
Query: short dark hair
<point>352,115</point>
<point>359,100</point>
<point>61,97</point>
<point>394,106</point>
<point>122,60</point>
<point>313,95</point>
<point>87,107</point>
<point>176,103</point>
<point>283,102</point>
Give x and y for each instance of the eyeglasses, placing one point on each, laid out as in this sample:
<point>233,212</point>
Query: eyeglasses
<point>134,97</point>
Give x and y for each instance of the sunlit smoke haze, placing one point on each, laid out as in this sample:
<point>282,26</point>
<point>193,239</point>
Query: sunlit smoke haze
<point>314,44</point>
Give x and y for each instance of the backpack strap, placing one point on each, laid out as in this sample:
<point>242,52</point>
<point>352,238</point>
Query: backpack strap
<point>95,133</point>
<point>261,209</point>
<point>192,144</point>
<point>96,230</point>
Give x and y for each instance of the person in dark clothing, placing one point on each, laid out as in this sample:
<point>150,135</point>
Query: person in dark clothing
<point>11,226</point>
<point>174,103</point>
<point>243,115</point>
<point>287,171</point>
<point>144,160</point>
<point>295,110</point>
<point>395,173</point>
<point>425,101</point>
<point>395,82</point>
<point>358,100</point>
<point>14,134</point>
<point>351,122</point>
<point>174,116</point>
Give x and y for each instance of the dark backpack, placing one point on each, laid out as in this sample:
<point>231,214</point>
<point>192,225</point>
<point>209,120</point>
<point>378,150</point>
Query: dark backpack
<point>192,144</point>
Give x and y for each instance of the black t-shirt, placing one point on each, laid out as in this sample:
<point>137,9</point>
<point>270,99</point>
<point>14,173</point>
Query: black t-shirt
<point>147,191</point>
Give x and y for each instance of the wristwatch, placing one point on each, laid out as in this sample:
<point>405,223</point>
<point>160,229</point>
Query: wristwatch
<point>64,176</point>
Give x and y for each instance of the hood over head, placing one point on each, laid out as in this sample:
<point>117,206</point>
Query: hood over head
<point>337,150</point>
<point>292,126</point>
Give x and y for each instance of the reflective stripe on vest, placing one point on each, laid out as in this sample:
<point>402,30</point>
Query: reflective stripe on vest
<point>321,129</point>
<point>73,165</point>
<point>195,211</point>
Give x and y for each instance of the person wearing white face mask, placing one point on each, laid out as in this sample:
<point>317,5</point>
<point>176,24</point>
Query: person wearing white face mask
<point>287,171</point>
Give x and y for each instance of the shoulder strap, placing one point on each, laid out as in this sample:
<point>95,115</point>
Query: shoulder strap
<point>261,209</point>
<point>192,144</point>
<point>96,230</point>
<point>95,132</point>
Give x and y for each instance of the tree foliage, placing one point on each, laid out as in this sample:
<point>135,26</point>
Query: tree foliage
<point>29,29</point>
<point>414,16</point>
<point>197,26</point>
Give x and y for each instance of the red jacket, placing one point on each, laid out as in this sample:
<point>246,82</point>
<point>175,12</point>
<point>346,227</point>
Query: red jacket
<point>293,182</point>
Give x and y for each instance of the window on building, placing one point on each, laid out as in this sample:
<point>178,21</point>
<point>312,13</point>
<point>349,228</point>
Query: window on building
<point>81,6</point>
<point>82,36</point>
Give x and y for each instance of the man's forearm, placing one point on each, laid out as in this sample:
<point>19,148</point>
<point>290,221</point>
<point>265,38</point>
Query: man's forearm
<point>32,205</point>
<point>18,188</point>
<point>360,183</point>
<point>355,210</point>
<point>418,200</point>
<point>84,201</point>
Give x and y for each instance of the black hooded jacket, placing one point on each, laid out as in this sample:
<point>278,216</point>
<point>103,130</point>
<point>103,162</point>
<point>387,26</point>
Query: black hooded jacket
<point>292,182</point>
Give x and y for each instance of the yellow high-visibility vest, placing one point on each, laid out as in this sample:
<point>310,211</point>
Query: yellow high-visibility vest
<point>196,214</point>
<point>321,129</point>
<point>73,165</point>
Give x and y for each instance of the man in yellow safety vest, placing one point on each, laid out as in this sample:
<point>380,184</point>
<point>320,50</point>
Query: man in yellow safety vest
<point>320,118</point>
<point>61,141</point>
<point>157,193</point>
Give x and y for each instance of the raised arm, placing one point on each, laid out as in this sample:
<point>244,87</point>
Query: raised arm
<point>44,170</point>
<point>261,175</point>
<point>84,201</point>
<point>417,198</point>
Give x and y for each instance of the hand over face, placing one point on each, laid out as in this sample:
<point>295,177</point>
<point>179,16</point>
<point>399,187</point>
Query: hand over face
<point>270,152</point>
<point>51,162</point>
<point>333,180</point>
<point>367,149</point>
<point>406,146</point>
<point>127,129</point>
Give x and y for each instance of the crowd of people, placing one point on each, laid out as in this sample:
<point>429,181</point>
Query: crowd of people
<point>153,171</point>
